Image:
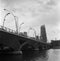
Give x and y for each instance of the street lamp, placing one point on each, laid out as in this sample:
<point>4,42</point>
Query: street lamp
<point>20,26</point>
<point>15,18</point>
<point>16,22</point>
<point>4,18</point>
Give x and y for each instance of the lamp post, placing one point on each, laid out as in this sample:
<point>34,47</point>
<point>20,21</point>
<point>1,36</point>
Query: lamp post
<point>16,23</point>
<point>4,18</point>
<point>15,18</point>
<point>20,26</point>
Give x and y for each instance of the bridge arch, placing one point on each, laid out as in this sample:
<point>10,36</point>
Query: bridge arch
<point>26,45</point>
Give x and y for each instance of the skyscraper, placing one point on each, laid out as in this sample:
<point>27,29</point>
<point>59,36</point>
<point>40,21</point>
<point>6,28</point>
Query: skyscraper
<point>43,36</point>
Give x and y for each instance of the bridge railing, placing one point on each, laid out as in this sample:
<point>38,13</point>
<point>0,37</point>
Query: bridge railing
<point>2,28</point>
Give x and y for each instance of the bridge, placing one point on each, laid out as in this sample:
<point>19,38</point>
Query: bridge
<point>10,38</point>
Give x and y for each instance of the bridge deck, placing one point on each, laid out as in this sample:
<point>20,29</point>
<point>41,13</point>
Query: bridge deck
<point>13,39</point>
<point>10,31</point>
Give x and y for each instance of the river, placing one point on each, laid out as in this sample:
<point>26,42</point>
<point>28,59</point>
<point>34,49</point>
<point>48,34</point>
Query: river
<point>49,55</point>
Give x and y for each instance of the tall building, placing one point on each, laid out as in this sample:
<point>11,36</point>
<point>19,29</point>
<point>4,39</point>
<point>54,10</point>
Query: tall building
<point>43,36</point>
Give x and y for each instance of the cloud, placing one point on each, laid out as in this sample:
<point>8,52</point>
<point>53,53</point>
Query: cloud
<point>43,2</point>
<point>34,11</point>
<point>38,10</point>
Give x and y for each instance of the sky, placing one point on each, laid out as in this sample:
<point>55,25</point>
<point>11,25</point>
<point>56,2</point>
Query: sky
<point>33,13</point>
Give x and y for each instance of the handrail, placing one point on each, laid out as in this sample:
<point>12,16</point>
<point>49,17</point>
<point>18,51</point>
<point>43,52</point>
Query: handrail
<point>6,29</point>
<point>13,32</point>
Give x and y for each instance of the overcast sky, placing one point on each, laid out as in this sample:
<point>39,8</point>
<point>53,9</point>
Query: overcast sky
<point>33,13</point>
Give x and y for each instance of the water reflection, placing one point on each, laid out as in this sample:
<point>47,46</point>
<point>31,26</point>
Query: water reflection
<point>35,56</point>
<point>49,55</point>
<point>54,55</point>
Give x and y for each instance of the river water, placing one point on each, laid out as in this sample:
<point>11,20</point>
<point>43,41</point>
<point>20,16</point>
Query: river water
<point>48,55</point>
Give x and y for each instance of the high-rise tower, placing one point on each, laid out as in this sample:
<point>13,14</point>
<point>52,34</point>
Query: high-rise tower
<point>43,36</point>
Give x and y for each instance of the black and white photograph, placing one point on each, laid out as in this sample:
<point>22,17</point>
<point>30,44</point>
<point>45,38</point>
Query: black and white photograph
<point>29,30</point>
